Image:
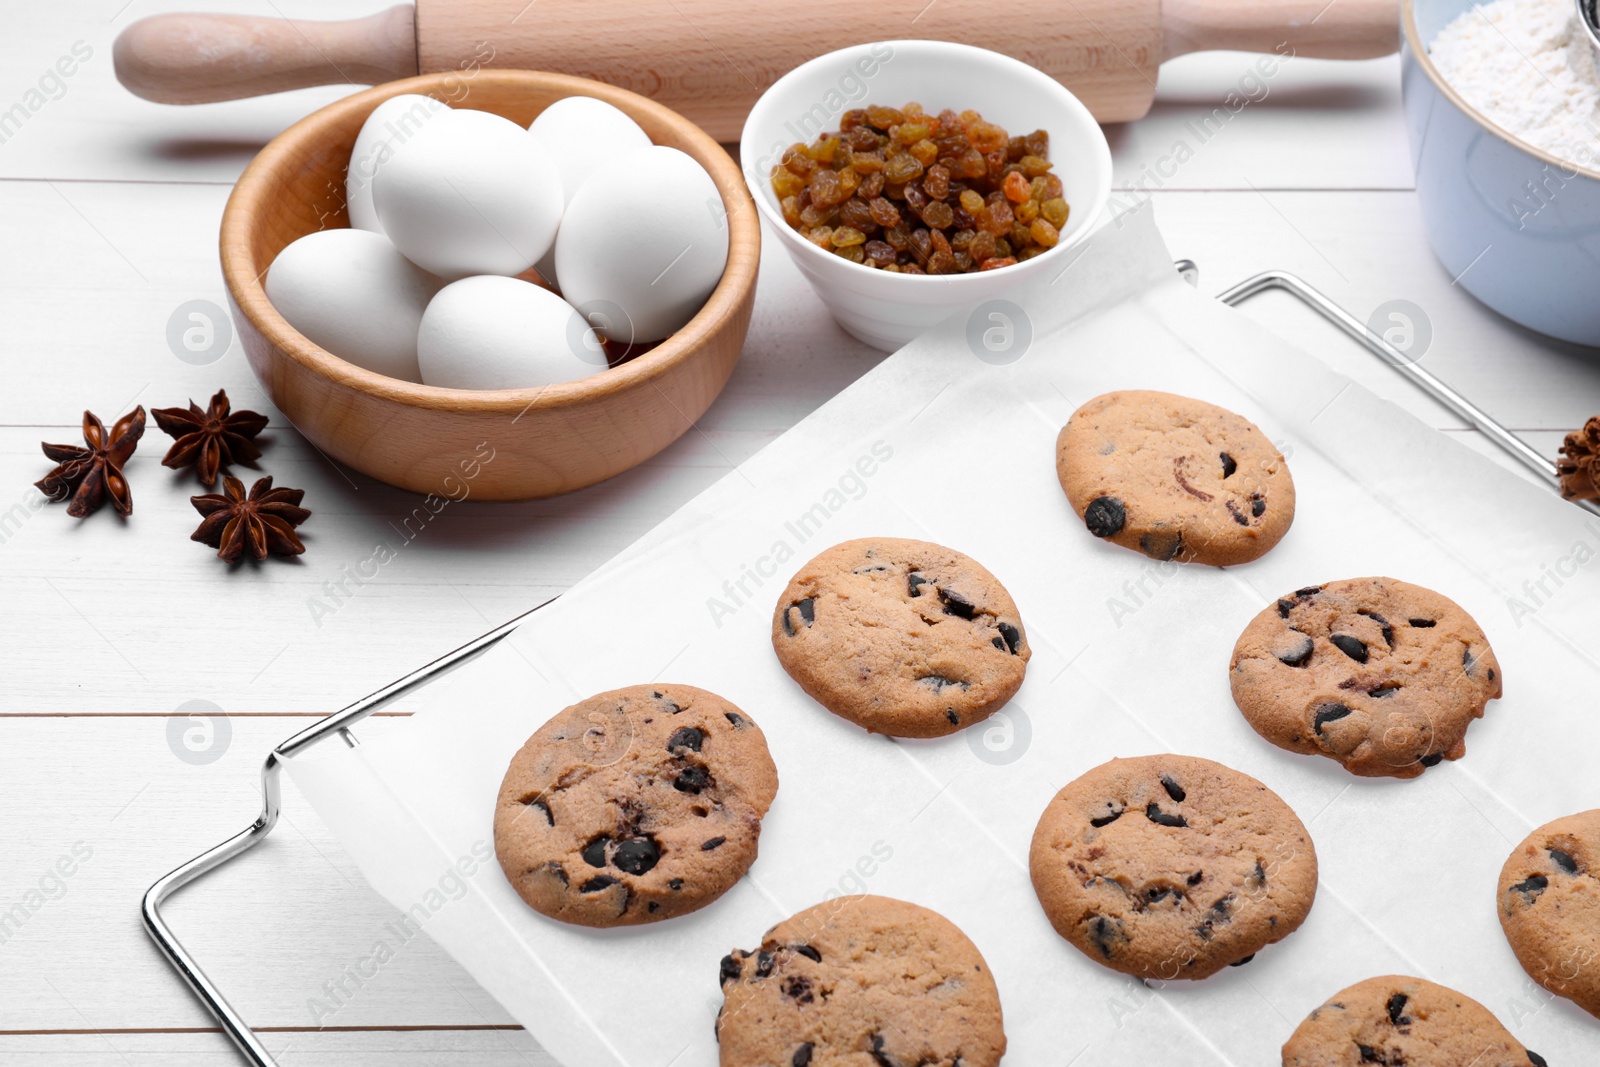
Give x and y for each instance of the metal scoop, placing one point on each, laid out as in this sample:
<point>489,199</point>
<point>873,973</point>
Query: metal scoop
<point>1589,19</point>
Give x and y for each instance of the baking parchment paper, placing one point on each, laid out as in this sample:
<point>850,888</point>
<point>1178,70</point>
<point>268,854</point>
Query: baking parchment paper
<point>1130,657</point>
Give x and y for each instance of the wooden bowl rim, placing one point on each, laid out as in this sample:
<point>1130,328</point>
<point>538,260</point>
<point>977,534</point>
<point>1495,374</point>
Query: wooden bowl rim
<point>248,201</point>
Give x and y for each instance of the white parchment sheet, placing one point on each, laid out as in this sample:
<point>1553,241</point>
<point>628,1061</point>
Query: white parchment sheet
<point>1130,657</point>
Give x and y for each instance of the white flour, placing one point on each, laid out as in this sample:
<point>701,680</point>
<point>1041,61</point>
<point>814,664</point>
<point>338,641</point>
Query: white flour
<point>1529,67</point>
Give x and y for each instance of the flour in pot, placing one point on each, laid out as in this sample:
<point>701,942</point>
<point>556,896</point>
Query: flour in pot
<point>1529,67</point>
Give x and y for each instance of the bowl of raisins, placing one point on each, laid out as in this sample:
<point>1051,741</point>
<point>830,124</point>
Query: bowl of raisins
<point>907,179</point>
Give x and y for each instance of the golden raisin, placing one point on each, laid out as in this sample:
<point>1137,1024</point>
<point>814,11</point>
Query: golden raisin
<point>855,212</point>
<point>912,132</point>
<point>823,148</point>
<point>786,183</point>
<point>975,197</point>
<point>864,139</point>
<point>845,236</point>
<point>884,213</point>
<point>903,169</point>
<point>1000,218</point>
<point>796,160</point>
<point>884,117</point>
<point>825,188</point>
<point>938,214</point>
<point>987,137</point>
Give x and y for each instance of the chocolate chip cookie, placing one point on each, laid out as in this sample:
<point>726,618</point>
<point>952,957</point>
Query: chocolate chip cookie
<point>1404,1022</point>
<point>1168,866</point>
<point>635,805</point>
<point>903,637</point>
<point>1550,907</point>
<point>860,981</point>
<point>1381,675</point>
<point>1174,478</point>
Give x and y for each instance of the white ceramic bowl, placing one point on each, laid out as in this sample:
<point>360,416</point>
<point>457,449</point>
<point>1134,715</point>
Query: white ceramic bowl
<point>887,310</point>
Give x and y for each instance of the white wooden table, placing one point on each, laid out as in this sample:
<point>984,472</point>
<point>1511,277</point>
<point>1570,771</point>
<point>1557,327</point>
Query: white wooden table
<point>109,209</point>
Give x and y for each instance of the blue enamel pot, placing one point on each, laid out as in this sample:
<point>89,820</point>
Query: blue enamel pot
<point>1515,226</point>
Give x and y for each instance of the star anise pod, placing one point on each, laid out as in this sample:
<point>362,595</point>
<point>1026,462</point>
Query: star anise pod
<point>210,439</point>
<point>1580,480</point>
<point>89,475</point>
<point>260,523</point>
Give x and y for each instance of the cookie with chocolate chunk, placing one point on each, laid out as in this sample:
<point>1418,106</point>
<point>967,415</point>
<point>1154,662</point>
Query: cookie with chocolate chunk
<point>1379,674</point>
<point>1174,478</point>
<point>903,637</point>
<point>1169,866</point>
<point>1550,907</point>
<point>1404,1021</point>
<point>634,805</point>
<point>860,980</point>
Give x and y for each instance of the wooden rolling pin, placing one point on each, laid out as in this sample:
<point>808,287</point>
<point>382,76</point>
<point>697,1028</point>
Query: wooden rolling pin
<point>710,59</point>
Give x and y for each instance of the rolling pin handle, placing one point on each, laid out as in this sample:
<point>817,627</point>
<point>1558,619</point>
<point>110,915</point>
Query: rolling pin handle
<point>198,59</point>
<point>1319,29</point>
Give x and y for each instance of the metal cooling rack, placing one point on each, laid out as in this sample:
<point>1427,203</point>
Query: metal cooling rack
<point>339,723</point>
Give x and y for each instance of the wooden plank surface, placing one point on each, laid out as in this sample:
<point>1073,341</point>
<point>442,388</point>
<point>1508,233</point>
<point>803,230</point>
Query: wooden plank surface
<point>110,208</point>
<point>376,1048</point>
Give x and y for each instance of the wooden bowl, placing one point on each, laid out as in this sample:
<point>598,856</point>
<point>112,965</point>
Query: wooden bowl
<point>512,444</point>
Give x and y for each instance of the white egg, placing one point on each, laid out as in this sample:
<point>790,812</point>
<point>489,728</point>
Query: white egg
<point>582,133</point>
<point>391,124</point>
<point>639,255</point>
<point>492,332</point>
<point>470,193</point>
<point>352,293</point>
